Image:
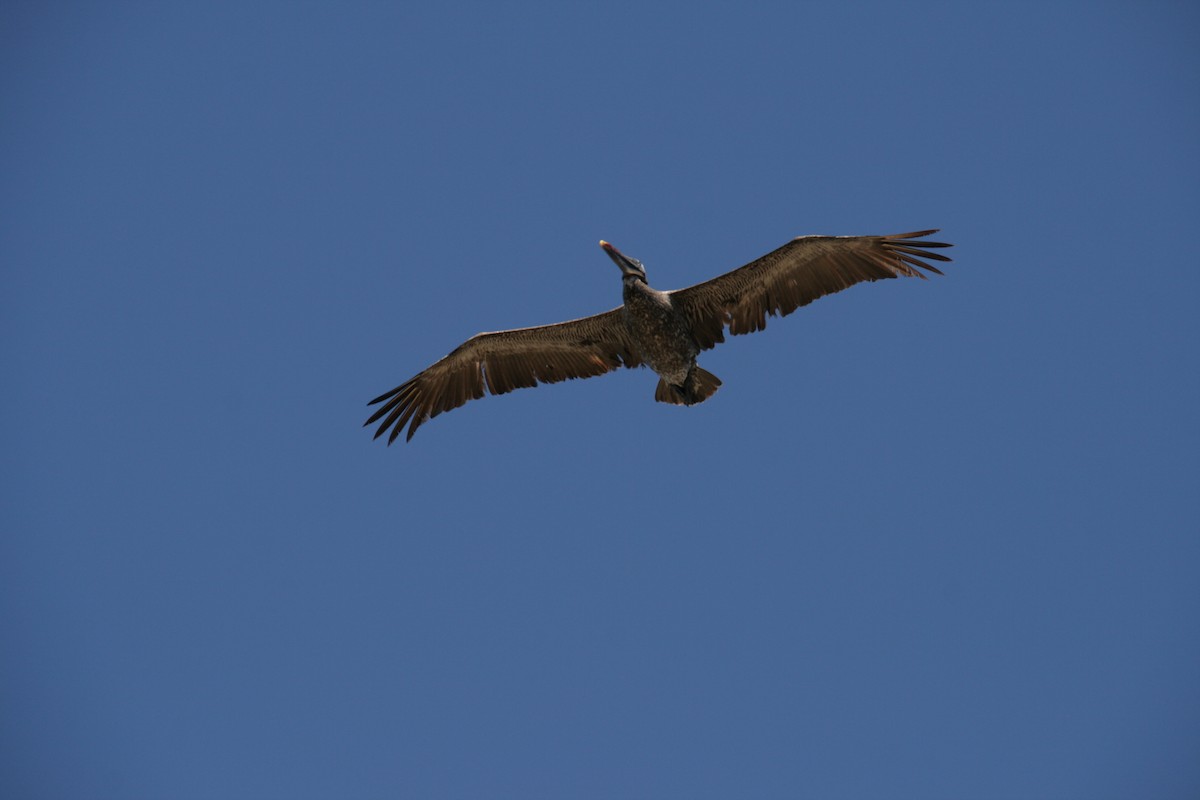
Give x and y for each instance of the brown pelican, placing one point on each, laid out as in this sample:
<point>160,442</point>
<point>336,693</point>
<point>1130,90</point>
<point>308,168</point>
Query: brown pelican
<point>662,330</point>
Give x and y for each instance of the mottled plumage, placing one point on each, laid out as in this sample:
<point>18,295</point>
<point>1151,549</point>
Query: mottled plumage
<point>662,330</point>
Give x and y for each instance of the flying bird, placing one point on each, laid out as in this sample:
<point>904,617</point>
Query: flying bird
<point>662,330</point>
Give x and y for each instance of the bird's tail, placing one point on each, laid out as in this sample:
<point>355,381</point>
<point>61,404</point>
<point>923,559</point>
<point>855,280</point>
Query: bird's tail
<point>698,387</point>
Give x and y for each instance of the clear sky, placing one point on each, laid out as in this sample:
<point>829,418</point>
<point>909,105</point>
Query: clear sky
<point>931,539</point>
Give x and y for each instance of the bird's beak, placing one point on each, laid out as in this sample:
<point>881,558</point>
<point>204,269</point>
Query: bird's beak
<point>619,258</point>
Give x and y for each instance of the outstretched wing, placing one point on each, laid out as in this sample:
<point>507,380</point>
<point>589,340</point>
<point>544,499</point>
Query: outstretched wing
<point>505,360</point>
<point>802,270</point>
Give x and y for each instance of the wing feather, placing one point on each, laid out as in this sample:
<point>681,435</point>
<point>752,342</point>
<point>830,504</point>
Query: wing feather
<point>500,361</point>
<point>804,269</point>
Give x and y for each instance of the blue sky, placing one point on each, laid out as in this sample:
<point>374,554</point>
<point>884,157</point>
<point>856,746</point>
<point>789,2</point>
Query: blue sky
<point>931,539</point>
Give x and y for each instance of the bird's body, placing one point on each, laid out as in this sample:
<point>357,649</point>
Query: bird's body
<point>660,332</point>
<point>663,330</point>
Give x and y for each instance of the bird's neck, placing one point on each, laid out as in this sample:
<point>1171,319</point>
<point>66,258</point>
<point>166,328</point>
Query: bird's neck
<point>637,291</point>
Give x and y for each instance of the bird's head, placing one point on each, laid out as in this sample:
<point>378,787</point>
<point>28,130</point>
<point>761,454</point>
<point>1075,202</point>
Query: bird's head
<point>630,267</point>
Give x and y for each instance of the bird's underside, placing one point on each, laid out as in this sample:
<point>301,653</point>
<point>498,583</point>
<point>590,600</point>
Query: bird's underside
<point>696,318</point>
